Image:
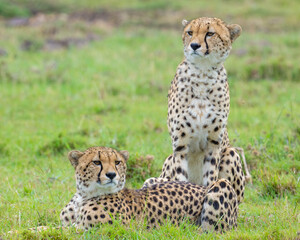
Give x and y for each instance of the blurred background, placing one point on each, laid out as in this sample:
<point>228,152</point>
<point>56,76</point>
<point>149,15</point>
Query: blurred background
<point>270,38</point>
<point>75,74</point>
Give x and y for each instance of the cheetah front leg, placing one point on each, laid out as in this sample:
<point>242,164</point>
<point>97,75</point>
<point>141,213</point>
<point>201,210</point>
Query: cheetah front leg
<point>230,168</point>
<point>210,162</point>
<point>175,168</point>
<point>220,207</point>
<point>180,164</point>
<point>165,175</point>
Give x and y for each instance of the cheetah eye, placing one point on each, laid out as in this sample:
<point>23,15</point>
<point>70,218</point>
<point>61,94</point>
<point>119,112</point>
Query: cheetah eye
<point>97,163</point>
<point>209,34</point>
<point>190,33</point>
<point>117,162</point>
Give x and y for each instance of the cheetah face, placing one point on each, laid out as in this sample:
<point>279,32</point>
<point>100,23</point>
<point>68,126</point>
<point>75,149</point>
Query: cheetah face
<point>208,39</point>
<point>99,170</point>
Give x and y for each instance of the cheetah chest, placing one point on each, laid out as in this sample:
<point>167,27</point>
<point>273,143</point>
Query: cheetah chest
<point>202,116</point>
<point>200,113</point>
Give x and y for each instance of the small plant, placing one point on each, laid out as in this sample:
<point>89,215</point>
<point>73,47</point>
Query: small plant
<point>276,184</point>
<point>3,150</point>
<point>59,145</point>
<point>140,168</point>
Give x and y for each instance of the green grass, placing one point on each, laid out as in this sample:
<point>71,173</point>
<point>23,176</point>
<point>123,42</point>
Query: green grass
<point>112,92</point>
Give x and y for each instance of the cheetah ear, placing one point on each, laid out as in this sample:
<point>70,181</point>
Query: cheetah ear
<point>125,154</point>
<point>235,31</point>
<point>74,157</point>
<point>184,22</point>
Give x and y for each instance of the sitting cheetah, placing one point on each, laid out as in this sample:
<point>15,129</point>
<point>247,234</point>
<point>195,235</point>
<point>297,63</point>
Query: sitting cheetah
<point>198,108</point>
<point>101,196</point>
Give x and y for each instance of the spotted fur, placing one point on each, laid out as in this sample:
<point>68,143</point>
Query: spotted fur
<point>198,108</point>
<point>214,207</point>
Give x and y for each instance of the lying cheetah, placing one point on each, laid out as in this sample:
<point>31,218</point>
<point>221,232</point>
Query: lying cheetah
<point>198,108</point>
<point>101,196</point>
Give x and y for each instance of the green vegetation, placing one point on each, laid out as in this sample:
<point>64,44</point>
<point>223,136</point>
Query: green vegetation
<point>99,75</point>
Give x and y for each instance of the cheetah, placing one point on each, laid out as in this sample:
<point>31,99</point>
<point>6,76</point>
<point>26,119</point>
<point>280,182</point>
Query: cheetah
<point>198,108</point>
<point>101,197</point>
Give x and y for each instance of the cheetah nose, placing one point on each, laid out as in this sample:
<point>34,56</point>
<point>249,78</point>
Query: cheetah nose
<point>111,175</point>
<point>195,46</point>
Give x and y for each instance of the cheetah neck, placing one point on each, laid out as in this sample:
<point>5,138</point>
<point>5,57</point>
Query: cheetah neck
<point>204,66</point>
<point>93,191</point>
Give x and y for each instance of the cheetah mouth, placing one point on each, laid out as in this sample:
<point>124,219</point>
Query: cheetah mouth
<point>196,54</point>
<point>110,183</point>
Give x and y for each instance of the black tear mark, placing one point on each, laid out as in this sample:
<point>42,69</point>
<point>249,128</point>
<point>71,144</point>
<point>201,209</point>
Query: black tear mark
<point>214,142</point>
<point>207,50</point>
<point>98,180</point>
<point>179,148</point>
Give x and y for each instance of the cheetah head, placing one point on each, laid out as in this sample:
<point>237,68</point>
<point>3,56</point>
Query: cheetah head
<point>208,39</point>
<point>99,170</point>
